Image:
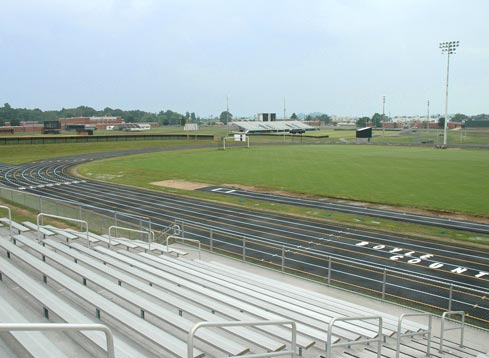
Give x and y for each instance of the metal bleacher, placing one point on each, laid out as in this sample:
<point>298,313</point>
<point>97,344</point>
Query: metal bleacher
<point>152,302</point>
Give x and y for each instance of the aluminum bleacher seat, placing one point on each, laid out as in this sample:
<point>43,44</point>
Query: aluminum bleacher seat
<point>156,339</point>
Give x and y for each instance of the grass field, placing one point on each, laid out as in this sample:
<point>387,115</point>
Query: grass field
<point>19,154</point>
<point>448,180</point>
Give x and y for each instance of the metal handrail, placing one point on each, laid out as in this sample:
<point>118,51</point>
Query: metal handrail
<point>443,329</point>
<point>183,239</point>
<point>9,217</point>
<point>63,327</point>
<point>412,334</point>
<point>133,216</point>
<point>150,234</point>
<point>40,222</point>
<point>293,339</point>
<point>330,345</point>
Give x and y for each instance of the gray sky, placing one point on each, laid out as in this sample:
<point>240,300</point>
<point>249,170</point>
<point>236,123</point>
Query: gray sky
<point>332,56</point>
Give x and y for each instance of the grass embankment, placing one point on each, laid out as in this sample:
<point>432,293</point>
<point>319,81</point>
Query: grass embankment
<point>20,154</point>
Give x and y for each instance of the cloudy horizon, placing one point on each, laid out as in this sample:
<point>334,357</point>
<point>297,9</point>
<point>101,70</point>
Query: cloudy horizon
<point>331,56</point>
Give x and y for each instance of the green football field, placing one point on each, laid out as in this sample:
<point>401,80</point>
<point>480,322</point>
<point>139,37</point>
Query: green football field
<point>452,179</point>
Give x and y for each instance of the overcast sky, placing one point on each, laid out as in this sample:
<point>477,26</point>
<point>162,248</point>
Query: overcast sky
<point>333,56</point>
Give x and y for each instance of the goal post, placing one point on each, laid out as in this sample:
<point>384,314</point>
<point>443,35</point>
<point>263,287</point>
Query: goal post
<point>237,138</point>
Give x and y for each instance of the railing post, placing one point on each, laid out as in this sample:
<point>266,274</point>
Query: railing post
<point>244,249</point>
<point>9,218</point>
<point>450,296</point>
<point>211,240</point>
<point>412,334</point>
<point>384,283</point>
<point>283,258</point>
<point>443,329</point>
<point>59,327</point>
<point>329,270</point>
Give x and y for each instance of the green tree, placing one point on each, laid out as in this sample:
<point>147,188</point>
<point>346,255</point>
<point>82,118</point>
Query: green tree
<point>225,117</point>
<point>293,116</point>
<point>193,119</point>
<point>441,122</point>
<point>459,117</point>
<point>324,118</point>
<point>362,122</point>
<point>15,122</point>
<point>377,120</point>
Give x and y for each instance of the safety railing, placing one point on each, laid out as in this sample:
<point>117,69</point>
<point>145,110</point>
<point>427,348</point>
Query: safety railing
<point>430,293</point>
<point>412,334</point>
<point>150,234</point>
<point>391,284</point>
<point>140,222</point>
<point>461,327</point>
<point>63,327</point>
<point>40,223</point>
<point>330,345</point>
<point>9,217</point>
<point>197,242</point>
<point>293,339</point>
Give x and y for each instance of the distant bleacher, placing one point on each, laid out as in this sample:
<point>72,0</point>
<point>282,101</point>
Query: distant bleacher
<point>152,296</point>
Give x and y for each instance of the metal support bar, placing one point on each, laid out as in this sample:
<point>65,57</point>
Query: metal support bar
<point>183,239</point>
<point>293,340</point>
<point>379,339</point>
<point>40,222</point>
<point>443,329</point>
<point>63,327</point>
<point>9,217</point>
<point>419,333</point>
<point>150,234</point>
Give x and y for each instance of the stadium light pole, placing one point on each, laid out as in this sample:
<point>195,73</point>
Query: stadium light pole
<point>383,116</point>
<point>449,48</point>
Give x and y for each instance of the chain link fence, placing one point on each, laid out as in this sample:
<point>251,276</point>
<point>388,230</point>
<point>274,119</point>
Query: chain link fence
<point>418,291</point>
<point>421,292</point>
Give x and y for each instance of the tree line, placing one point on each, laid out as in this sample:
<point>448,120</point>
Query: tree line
<point>168,117</point>
<point>377,119</point>
<point>164,118</point>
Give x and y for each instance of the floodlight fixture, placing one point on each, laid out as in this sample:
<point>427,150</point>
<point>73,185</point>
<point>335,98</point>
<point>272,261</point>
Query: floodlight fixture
<point>449,48</point>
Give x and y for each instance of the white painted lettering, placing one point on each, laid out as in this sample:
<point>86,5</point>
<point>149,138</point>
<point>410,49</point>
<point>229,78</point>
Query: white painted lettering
<point>396,257</point>
<point>436,265</point>
<point>379,247</point>
<point>395,249</point>
<point>362,243</point>
<point>481,274</point>
<point>426,257</point>
<point>459,270</point>
<point>414,261</point>
<point>410,253</point>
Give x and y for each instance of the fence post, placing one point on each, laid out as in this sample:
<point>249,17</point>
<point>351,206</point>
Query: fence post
<point>329,270</point>
<point>283,257</point>
<point>244,249</point>
<point>450,294</point>
<point>384,280</point>
<point>211,240</point>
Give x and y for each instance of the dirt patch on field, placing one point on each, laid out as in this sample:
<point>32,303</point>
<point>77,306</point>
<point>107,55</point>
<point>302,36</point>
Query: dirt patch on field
<point>181,184</point>
<point>188,185</point>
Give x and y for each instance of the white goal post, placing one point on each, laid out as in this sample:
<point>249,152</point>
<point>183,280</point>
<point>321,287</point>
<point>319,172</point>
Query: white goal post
<point>238,137</point>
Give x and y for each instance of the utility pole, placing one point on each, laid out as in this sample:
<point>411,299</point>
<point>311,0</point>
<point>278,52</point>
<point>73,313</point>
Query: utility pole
<point>428,114</point>
<point>284,109</point>
<point>448,48</point>
<point>383,113</point>
<point>227,110</point>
